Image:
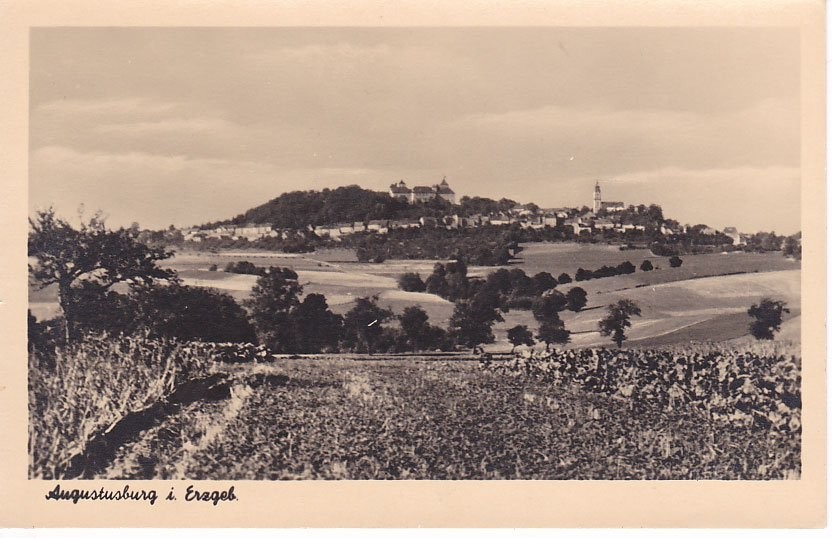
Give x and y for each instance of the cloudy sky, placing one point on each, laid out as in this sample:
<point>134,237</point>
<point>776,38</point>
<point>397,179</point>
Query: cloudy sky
<point>183,126</point>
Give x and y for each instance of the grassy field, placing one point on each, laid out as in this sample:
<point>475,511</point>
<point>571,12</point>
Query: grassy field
<point>418,419</point>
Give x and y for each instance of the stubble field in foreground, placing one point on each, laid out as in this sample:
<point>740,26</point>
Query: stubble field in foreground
<point>429,419</point>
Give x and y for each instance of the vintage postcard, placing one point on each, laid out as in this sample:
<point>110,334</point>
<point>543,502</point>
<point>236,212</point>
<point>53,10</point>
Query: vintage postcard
<point>381,264</point>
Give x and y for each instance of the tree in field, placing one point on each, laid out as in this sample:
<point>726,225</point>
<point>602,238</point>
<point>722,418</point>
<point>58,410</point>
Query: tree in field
<point>576,299</point>
<point>553,331</point>
<point>546,310</point>
<point>457,282</point>
<point>675,261</point>
<point>564,278</point>
<point>437,282</point>
<point>315,327</point>
<point>472,319</point>
<point>618,320</point>
<point>646,265</point>
<point>419,333</point>
<point>411,282</point>
<point>66,256</point>
<point>363,325</point>
<point>272,299</point>
<point>548,306</point>
<point>768,316</point>
<point>543,281</point>
<point>520,335</point>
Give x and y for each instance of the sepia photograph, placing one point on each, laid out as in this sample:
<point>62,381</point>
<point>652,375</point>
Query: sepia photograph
<point>434,253</point>
<point>317,258</point>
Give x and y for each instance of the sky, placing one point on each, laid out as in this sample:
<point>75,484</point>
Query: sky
<point>183,126</point>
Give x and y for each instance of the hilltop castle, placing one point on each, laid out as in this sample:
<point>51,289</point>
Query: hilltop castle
<point>421,193</point>
<point>598,205</point>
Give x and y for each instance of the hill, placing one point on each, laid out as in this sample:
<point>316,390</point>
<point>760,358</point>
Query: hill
<point>299,209</point>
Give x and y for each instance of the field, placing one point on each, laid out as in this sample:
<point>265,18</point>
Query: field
<point>437,419</point>
<point>706,298</point>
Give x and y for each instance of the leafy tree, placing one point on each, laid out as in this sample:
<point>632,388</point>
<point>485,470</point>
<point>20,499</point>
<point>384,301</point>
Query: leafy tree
<point>472,319</point>
<point>544,281</point>
<point>499,281</point>
<point>190,313</point>
<point>363,325</point>
<point>646,265</point>
<point>547,307</point>
<point>437,282</point>
<point>546,310</point>
<point>411,282</point>
<point>95,308</point>
<point>457,286</point>
<point>66,256</point>
<point>576,299</point>
<point>618,319</point>
<point>553,331</point>
<point>272,299</point>
<point>419,333</point>
<point>521,284</point>
<point>768,316</point>
<point>520,335</point>
<point>564,278</point>
<point>675,261</point>
<point>315,327</point>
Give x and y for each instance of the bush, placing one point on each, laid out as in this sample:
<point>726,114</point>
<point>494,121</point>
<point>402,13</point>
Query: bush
<point>768,316</point>
<point>646,265</point>
<point>563,278</point>
<point>213,267</point>
<point>411,282</point>
<point>675,261</point>
<point>245,267</point>
<point>582,274</point>
<point>520,335</point>
<point>756,387</point>
<point>626,268</point>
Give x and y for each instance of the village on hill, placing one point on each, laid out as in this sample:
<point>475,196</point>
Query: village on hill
<point>602,218</point>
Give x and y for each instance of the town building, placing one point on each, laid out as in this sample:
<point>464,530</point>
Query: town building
<point>421,193</point>
<point>598,204</point>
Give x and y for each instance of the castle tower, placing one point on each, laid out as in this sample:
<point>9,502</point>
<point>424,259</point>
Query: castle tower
<point>596,201</point>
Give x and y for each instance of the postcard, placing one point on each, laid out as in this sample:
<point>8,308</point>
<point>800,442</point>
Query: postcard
<point>385,264</point>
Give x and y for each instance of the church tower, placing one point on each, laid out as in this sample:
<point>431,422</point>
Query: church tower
<point>596,201</point>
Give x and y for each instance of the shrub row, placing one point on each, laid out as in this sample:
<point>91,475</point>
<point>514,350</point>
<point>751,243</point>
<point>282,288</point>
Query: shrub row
<point>757,387</point>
